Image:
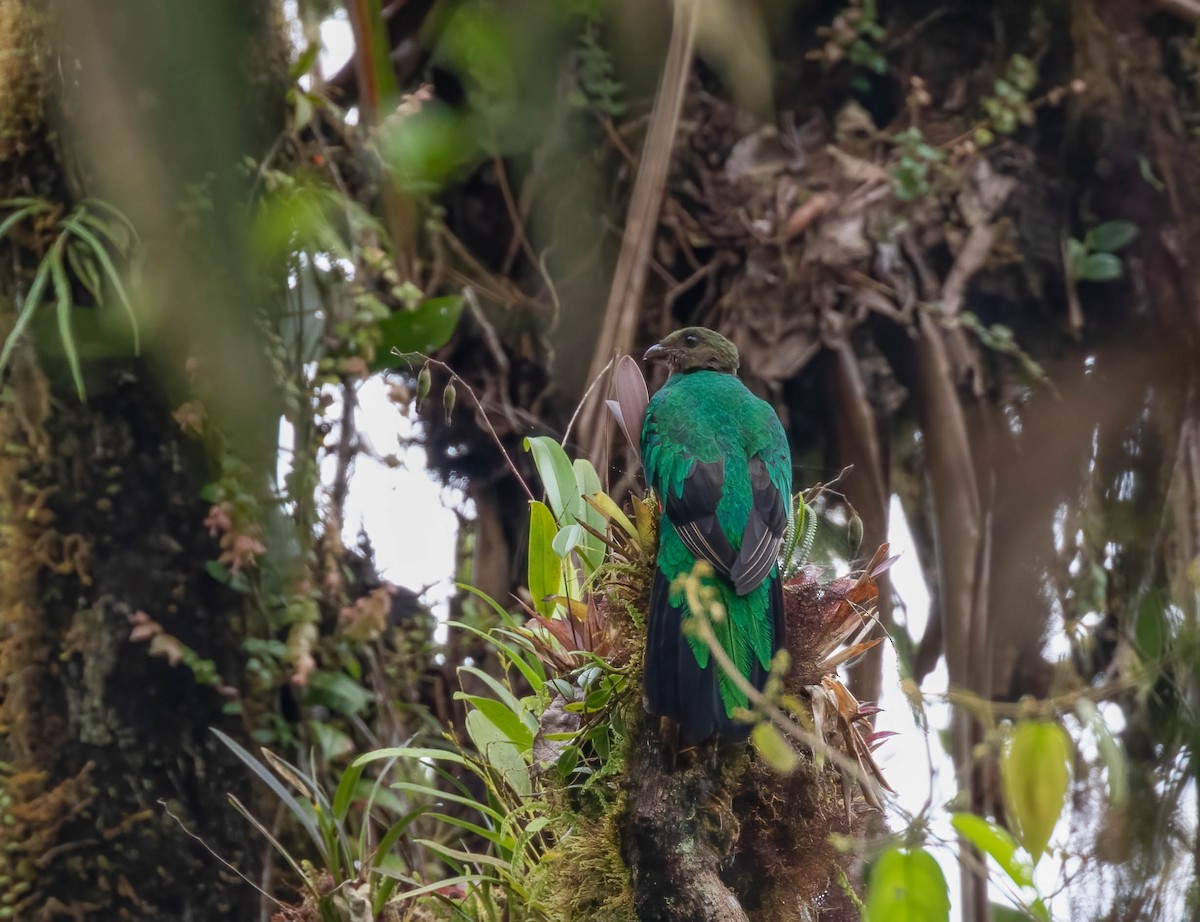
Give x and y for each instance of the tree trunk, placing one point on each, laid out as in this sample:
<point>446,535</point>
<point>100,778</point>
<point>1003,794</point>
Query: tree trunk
<point>113,786</point>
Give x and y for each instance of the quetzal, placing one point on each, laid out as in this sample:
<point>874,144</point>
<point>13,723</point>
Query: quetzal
<point>718,460</point>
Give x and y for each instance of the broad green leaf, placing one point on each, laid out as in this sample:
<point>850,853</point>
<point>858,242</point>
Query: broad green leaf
<point>567,540</point>
<point>337,691</point>
<point>587,483</point>
<point>496,750</point>
<point>773,746</point>
<point>1111,236</point>
<point>425,329</point>
<point>501,694</point>
<point>1101,267</point>
<point>505,720</point>
<point>1035,768</point>
<point>1110,748</point>
<point>558,477</point>
<point>907,885</point>
<point>996,842</point>
<point>545,567</point>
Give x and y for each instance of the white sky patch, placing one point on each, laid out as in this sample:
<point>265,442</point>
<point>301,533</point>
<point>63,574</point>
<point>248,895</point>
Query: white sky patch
<point>405,512</point>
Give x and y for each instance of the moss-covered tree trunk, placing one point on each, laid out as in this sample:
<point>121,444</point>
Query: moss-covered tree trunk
<point>112,787</point>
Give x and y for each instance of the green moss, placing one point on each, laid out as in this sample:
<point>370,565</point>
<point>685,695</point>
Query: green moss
<point>584,879</point>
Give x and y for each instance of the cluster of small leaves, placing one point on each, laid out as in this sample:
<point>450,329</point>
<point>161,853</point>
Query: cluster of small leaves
<point>1094,258</point>
<point>915,162</point>
<point>596,84</point>
<point>1000,338</point>
<point>856,36</point>
<point>1009,107</point>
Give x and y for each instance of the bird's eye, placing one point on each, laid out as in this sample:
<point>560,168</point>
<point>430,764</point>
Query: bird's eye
<point>690,339</point>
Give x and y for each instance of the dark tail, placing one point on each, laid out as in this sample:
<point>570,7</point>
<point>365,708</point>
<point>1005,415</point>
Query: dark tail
<point>677,687</point>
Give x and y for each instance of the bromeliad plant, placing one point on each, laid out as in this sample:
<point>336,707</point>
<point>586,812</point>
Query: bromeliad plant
<point>516,813</point>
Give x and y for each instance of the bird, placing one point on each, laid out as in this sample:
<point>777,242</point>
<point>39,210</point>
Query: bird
<point>717,459</point>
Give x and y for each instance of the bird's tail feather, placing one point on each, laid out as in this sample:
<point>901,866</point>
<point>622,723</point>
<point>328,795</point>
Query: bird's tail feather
<point>677,687</point>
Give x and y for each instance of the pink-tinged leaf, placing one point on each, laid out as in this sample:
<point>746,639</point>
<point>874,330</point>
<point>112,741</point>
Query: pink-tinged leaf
<point>885,565</point>
<point>615,409</point>
<point>632,399</point>
<point>875,740</point>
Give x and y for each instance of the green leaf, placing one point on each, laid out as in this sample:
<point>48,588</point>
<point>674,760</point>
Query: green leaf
<point>567,539</point>
<point>25,313</point>
<point>62,293</point>
<point>1111,236</point>
<point>425,329</point>
<point>344,795</point>
<point>331,742</point>
<point>907,885</point>
<point>996,842</point>
<point>75,224</point>
<point>505,720</point>
<point>545,567</point>
<point>1035,768</point>
<point>498,752</point>
<point>305,60</point>
<point>587,483</point>
<point>1111,750</point>
<point>773,746</point>
<point>285,796</point>
<point>1077,254</point>
<point>1101,267</point>
<point>337,691</point>
<point>558,476</point>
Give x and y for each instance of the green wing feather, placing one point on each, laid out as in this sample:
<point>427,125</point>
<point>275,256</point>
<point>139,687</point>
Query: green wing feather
<point>709,418</point>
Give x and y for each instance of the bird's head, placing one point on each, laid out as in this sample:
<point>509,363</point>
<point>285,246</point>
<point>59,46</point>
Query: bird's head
<point>695,349</point>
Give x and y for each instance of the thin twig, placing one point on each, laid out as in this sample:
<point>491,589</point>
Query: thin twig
<point>437,363</point>
<point>209,849</point>
<point>582,400</point>
<point>514,216</point>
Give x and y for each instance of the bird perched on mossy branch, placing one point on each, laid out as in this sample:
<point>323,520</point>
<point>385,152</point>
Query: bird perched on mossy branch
<point>718,460</point>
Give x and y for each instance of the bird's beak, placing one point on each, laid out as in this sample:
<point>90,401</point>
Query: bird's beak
<point>655,353</point>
